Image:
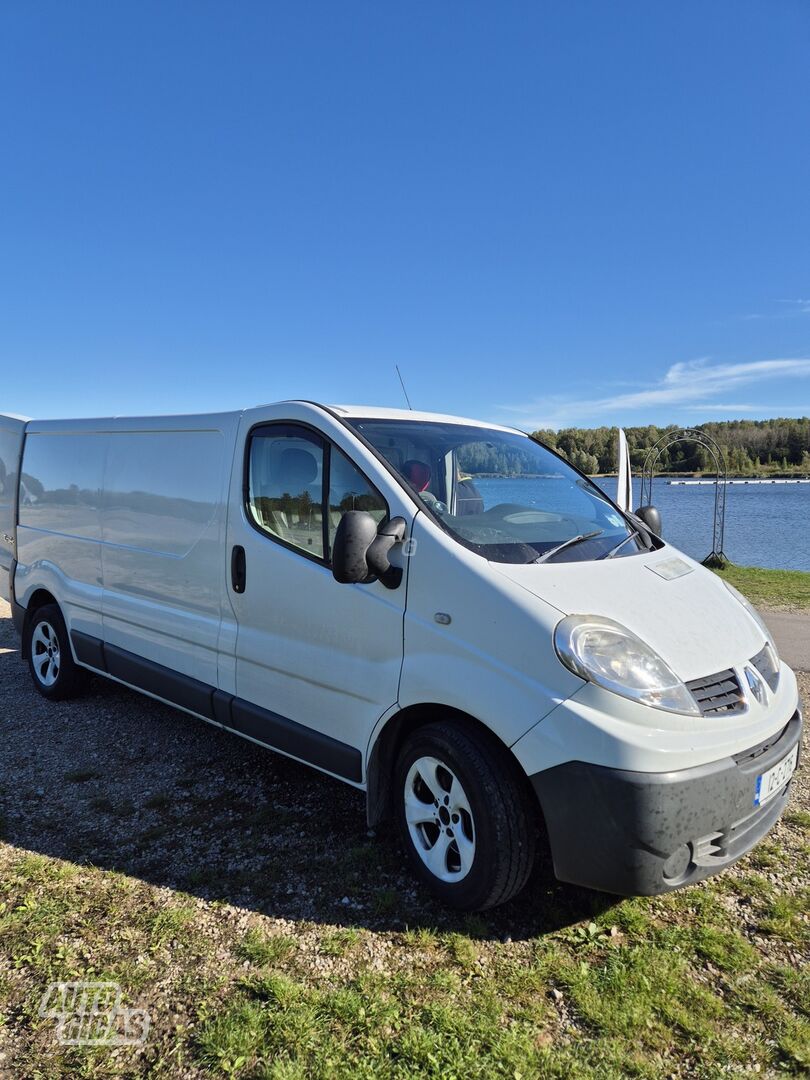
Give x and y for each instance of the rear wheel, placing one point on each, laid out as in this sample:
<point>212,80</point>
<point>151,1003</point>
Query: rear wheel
<point>50,661</point>
<point>464,815</point>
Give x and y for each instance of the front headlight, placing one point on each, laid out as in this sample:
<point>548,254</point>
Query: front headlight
<point>608,654</point>
<point>755,615</point>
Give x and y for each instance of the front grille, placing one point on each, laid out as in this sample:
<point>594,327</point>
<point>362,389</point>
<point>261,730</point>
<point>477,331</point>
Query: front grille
<point>718,694</point>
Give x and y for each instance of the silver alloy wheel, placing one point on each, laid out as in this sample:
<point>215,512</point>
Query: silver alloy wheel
<point>439,819</point>
<point>45,653</point>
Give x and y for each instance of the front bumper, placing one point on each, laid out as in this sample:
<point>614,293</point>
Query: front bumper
<point>637,833</point>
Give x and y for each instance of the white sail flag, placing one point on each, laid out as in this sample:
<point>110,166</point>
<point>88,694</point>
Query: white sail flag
<point>624,487</point>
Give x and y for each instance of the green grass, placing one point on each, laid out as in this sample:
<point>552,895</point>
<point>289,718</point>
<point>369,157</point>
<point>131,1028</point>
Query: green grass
<point>262,949</point>
<point>777,588</point>
<point>786,917</point>
<point>642,988</point>
<point>339,942</point>
<point>645,988</point>
<point>706,982</point>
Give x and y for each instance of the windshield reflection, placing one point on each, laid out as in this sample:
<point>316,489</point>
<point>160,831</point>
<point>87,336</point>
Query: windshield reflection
<point>501,493</point>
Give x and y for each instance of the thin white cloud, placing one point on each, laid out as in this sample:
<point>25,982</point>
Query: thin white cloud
<point>709,406</point>
<point>685,385</point>
<point>760,410</point>
<point>789,309</point>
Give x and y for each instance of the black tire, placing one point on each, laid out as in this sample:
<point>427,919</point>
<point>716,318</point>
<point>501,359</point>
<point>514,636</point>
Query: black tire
<point>502,823</point>
<point>54,672</point>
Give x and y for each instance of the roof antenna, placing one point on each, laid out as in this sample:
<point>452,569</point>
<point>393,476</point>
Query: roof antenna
<point>402,384</point>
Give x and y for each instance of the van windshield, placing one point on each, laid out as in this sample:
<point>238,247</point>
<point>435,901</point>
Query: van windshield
<point>501,493</point>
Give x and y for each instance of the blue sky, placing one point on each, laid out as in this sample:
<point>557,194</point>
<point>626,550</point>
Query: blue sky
<point>546,214</point>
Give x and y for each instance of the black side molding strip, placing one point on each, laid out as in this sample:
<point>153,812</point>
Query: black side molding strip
<point>222,708</point>
<point>293,738</point>
<point>89,650</point>
<point>269,728</point>
<point>184,691</point>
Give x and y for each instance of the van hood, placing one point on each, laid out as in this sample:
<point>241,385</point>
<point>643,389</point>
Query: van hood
<point>677,606</point>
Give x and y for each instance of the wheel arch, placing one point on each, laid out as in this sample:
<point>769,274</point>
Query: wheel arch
<point>38,599</point>
<point>383,753</point>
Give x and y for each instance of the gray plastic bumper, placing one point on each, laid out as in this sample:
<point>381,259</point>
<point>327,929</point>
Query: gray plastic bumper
<point>645,833</point>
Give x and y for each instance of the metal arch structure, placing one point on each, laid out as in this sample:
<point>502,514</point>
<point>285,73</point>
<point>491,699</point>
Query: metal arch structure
<point>717,556</point>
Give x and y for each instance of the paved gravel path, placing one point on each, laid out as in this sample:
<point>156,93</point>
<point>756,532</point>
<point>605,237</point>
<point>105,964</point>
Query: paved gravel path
<point>791,631</point>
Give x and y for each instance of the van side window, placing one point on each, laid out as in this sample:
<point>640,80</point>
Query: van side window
<point>285,486</point>
<point>349,490</point>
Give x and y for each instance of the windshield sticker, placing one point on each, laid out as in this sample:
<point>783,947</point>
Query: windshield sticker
<point>614,519</point>
<point>669,569</point>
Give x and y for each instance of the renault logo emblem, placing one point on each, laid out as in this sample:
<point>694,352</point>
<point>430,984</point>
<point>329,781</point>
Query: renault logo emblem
<point>755,683</point>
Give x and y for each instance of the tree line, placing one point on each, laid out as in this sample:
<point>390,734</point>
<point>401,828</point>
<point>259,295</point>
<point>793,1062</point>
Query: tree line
<point>750,447</point>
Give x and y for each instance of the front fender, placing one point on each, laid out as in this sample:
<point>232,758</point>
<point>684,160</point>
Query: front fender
<point>476,641</point>
<point>456,676</point>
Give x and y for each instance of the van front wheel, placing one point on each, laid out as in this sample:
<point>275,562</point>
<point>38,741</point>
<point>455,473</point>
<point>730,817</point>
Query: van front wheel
<point>464,816</point>
<point>50,661</point>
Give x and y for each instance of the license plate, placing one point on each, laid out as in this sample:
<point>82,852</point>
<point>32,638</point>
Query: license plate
<point>772,781</point>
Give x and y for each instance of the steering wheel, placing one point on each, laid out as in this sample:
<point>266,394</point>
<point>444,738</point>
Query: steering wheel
<point>435,504</point>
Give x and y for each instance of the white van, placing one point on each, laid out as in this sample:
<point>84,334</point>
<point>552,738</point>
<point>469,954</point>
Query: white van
<point>440,612</point>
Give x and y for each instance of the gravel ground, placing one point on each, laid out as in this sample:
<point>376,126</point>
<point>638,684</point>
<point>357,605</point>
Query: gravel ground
<point>120,782</point>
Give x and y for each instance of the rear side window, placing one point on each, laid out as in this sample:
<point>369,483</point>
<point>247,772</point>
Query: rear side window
<point>61,483</point>
<point>299,486</point>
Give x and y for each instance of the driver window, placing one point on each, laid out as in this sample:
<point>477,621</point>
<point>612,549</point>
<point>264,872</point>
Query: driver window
<point>285,486</point>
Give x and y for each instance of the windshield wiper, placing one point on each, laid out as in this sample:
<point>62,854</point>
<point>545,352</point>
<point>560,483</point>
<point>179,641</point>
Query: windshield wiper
<point>621,543</point>
<point>568,543</point>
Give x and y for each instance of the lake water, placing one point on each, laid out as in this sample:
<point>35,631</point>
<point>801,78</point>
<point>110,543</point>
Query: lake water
<point>766,524</point>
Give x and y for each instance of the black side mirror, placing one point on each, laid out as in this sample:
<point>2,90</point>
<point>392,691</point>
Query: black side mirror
<point>651,518</point>
<point>360,551</point>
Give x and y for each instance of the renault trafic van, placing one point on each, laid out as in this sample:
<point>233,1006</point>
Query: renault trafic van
<point>440,612</point>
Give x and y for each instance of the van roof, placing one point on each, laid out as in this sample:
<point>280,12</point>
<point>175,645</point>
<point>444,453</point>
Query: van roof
<point>374,412</point>
<point>348,412</point>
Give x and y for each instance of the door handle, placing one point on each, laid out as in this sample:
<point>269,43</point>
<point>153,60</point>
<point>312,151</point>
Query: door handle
<point>238,569</point>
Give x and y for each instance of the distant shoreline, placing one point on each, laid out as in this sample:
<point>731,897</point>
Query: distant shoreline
<point>760,475</point>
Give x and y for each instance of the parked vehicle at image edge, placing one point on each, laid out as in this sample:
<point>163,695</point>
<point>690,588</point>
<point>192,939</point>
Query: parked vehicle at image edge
<point>331,582</point>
